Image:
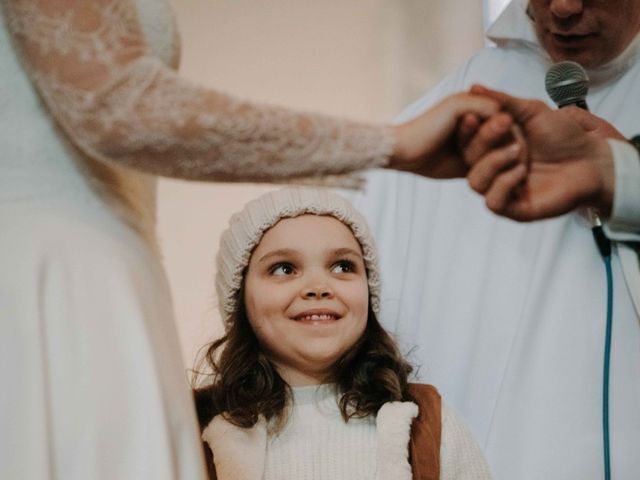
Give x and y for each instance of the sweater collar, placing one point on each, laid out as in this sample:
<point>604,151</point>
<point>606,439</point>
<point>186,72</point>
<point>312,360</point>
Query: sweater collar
<point>239,453</point>
<point>313,393</point>
<point>513,28</point>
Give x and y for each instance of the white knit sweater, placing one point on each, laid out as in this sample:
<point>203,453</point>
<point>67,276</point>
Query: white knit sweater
<point>317,444</point>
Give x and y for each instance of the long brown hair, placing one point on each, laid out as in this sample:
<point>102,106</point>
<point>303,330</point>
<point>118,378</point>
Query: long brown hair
<point>246,384</point>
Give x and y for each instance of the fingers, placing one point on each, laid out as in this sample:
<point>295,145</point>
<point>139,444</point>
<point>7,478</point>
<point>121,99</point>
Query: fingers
<point>482,106</point>
<point>547,193</point>
<point>460,104</point>
<point>436,126</point>
<point>489,135</point>
<point>467,128</point>
<point>521,109</point>
<point>500,97</point>
<point>519,139</point>
<point>504,188</point>
<point>482,176</point>
<point>469,124</point>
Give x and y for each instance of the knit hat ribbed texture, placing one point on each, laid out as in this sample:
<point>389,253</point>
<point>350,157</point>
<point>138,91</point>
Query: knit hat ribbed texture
<point>247,227</point>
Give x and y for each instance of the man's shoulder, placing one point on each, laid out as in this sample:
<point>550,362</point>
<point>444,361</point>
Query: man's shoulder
<point>505,68</point>
<point>494,60</point>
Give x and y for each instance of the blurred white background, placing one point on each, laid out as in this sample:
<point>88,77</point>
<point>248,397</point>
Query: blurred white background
<point>362,59</point>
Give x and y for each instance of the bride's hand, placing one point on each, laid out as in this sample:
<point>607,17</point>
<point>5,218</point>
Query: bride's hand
<point>427,145</point>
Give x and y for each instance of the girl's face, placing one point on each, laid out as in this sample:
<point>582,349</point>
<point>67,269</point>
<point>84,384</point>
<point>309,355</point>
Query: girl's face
<point>306,295</point>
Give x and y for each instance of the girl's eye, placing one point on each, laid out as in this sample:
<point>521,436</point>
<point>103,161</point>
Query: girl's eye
<point>282,269</point>
<point>343,266</point>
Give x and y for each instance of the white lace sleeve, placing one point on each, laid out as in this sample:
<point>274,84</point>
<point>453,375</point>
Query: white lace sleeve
<point>118,102</point>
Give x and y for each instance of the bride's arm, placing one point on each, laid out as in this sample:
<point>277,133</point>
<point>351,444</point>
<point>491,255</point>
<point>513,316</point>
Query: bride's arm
<point>118,102</point>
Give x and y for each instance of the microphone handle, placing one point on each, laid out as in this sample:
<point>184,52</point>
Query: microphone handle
<point>581,103</point>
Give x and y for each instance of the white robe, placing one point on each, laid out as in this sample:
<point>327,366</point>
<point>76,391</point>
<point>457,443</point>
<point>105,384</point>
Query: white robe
<point>509,318</point>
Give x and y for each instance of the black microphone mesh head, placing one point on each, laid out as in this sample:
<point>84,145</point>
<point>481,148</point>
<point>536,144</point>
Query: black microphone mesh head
<point>567,83</point>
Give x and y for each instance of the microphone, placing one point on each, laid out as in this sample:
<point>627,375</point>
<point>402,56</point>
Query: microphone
<point>567,83</point>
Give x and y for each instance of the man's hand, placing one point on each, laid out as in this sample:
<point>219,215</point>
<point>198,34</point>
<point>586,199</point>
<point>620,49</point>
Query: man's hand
<point>560,162</point>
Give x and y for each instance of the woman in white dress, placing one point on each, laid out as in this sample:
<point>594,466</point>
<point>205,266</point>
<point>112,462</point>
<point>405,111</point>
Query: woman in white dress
<point>92,383</point>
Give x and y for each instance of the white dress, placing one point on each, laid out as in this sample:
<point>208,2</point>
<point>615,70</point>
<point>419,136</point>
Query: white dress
<point>92,381</point>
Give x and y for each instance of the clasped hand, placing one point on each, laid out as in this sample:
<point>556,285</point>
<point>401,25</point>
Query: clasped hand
<point>532,162</point>
<point>528,160</point>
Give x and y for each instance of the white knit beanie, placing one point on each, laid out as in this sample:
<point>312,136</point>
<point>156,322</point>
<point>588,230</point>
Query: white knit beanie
<point>247,227</point>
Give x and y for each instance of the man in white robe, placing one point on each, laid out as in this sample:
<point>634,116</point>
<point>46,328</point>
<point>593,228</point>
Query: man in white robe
<point>509,318</point>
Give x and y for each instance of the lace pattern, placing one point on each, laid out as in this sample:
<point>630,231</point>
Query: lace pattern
<point>118,102</point>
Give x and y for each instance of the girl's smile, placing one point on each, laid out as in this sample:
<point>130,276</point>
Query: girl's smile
<point>318,316</point>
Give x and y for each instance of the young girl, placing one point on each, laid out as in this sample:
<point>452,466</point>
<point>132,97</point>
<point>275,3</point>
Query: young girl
<point>306,383</point>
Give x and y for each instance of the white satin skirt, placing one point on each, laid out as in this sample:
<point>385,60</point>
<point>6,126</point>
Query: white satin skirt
<point>92,381</point>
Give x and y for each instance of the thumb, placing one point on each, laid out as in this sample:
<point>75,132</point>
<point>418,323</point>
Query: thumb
<point>591,123</point>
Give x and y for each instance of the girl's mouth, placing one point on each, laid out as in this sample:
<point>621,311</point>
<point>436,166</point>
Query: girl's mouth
<point>316,318</point>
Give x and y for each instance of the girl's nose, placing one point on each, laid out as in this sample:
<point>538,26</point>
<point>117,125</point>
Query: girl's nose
<point>317,290</point>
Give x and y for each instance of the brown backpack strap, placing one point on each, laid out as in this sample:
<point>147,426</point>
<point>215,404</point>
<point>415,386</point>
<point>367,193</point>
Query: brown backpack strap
<point>208,458</point>
<point>426,429</point>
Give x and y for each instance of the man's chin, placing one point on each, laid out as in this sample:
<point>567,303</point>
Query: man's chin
<point>584,52</point>
<point>585,58</point>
